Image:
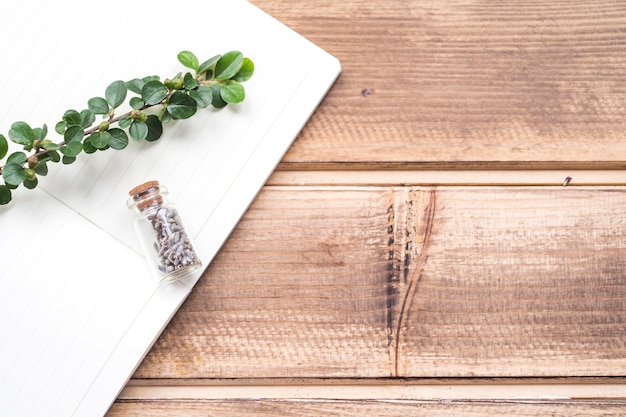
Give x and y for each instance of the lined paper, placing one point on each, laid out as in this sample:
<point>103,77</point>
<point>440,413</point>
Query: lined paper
<point>78,305</point>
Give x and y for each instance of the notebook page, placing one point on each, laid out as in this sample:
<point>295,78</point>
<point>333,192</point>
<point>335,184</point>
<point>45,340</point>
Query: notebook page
<point>66,301</point>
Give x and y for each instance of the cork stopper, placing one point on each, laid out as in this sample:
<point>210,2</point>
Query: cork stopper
<point>146,195</point>
<point>142,188</point>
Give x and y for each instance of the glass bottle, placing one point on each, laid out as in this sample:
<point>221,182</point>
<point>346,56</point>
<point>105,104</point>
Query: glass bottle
<point>168,248</point>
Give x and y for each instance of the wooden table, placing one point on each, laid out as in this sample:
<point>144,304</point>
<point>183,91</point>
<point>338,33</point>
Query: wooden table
<point>447,236</point>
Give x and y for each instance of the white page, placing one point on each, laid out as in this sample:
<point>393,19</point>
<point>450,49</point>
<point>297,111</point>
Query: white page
<point>79,309</point>
<point>62,313</point>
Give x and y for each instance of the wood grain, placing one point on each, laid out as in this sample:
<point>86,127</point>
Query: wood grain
<point>387,408</point>
<point>410,281</point>
<point>465,84</point>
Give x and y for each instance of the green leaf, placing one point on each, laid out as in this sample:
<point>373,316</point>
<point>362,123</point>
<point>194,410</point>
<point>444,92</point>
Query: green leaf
<point>151,78</point>
<point>41,169</point>
<point>4,146</point>
<point>68,159</point>
<point>14,174</point>
<point>74,134</point>
<point>100,140</point>
<point>44,158</point>
<point>155,128</point>
<point>165,116</point>
<point>60,127</point>
<point>208,64</point>
<point>88,147</point>
<point>135,85</point>
<point>181,106</point>
<point>72,118</point>
<point>119,138</point>
<point>232,92</point>
<point>217,101</point>
<point>54,156</point>
<point>228,65</point>
<point>19,158</point>
<point>203,96</point>
<point>22,134</point>
<point>153,92</point>
<point>124,122</point>
<point>71,149</point>
<point>136,103</point>
<point>51,146</point>
<point>31,183</point>
<point>189,60</point>
<point>138,130</point>
<point>115,93</point>
<point>41,133</point>
<point>98,105</point>
<point>5,194</point>
<point>246,71</point>
<point>87,118</point>
<point>190,82</point>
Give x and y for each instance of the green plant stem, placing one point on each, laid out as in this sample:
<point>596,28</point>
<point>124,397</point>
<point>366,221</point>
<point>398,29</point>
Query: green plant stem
<point>217,83</point>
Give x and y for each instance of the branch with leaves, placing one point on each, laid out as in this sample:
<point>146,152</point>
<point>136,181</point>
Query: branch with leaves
<point>215,82</point>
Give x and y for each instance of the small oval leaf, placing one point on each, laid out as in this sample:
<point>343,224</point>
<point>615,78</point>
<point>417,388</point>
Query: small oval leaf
<point>5,195</point>
<point>22,134</point>
<point>135,85</point>
<point>100,140</point>
<point>4,146</point>
<point>71,149</point>
<point>155,128</point>
<point>41,169</point>
<point>245,72</point>
<point>74,134</point>
<point>68,159</point>
<point>138,130</point>
<point>228,65</point>
<point>181,106</point>
<point>153,92</point>
<point>217,101</point>
<point>203,96</point>
<point>125,122</point>
<point>119,138</point>
<point>98,105</point>
<point>136,103</point>
<point>87,118</point>
<point>115,93</point>
<point>41,132</point>
<point>31,183</point>
<point>51,146</point>
<point>18,157</point>
<point>72,118</point>
<point>208,64</point>
<point>190,82</point>
<point>232,92</point>
<point>14,174</point>
<point>88,147</point>
<point>189,60</point>
<point>60,127</point>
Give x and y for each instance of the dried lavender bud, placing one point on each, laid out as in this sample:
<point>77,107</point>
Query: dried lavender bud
<point>172,243</point>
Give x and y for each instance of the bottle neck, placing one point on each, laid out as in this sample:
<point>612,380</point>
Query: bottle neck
<point>148,200</point>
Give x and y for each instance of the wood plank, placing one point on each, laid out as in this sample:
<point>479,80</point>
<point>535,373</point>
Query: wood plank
<point>430,389</point>
<point>387,408</point>
<point>410,281</point>
<point>465,84</point>
<point>515,282</point>
<point>570,178</point>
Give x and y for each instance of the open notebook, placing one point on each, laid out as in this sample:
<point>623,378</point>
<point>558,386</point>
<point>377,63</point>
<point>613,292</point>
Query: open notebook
<point>79,308</point>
